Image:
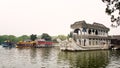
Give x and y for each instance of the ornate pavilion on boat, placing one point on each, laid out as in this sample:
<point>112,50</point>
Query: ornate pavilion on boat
<point>87,37</point>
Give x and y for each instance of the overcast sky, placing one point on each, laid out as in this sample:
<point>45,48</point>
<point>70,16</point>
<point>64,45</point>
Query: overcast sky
<point>26,17</point>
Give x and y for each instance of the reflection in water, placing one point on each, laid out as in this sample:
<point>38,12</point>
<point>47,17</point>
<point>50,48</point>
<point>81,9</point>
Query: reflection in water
<point>114,61</point>
<point>54,58</point>
<point>45,53</point>
<point>86,59</point>
<point>33,55</point>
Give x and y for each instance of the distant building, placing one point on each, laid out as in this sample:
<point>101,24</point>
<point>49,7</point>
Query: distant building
<point>115,41</point>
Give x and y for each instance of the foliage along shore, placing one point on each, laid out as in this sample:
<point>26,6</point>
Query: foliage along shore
<point>32,37</point>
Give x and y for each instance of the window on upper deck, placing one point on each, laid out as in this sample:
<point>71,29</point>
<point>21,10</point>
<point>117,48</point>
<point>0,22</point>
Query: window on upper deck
<point>84,29</point>
<point>89,31</point>
<point>96,32</point>
<point>76,31</point>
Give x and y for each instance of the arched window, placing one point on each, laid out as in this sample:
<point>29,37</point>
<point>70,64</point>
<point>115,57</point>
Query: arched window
<point>84,42</point>
<point>96,32</point>
<point>89,31</point>
<point>93,30</point>
<point>76,31</point>
<point>89,41</point>
<point>84,29</point>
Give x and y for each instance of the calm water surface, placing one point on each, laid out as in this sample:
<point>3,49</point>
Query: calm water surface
<point>54,58</point>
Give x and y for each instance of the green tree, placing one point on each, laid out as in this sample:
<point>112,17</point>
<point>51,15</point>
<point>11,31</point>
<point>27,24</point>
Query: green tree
<point>70,35</point>
<point>113,10</point>
<point>46,37</point>
<point>3,38</point>
<point>33,37</point>
<point>62,37</point>
<point>23,37</point>
<point>12,38</point>
<point>54,39</point>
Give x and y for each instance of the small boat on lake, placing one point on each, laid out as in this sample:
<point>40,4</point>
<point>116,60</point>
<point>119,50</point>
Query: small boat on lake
<point>8,43</point>
<point>25,44</point>
<point>36,44</point>
<point>43,43</point>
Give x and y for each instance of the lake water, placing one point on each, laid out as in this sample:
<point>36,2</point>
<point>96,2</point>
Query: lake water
<point>54,58</point>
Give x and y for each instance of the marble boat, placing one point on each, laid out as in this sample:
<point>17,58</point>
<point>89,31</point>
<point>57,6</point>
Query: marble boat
<point>86,36</point>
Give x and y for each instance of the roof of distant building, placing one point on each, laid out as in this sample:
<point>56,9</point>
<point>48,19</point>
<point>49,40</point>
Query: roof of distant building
<point>115,37</point>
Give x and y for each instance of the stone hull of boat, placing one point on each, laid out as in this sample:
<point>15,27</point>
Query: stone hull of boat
<point>73,46</point>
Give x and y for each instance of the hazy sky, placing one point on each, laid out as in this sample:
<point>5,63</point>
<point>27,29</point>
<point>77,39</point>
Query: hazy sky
<point>26,17</point>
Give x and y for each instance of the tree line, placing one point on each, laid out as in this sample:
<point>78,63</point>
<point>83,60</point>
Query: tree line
<point>32,37</point>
